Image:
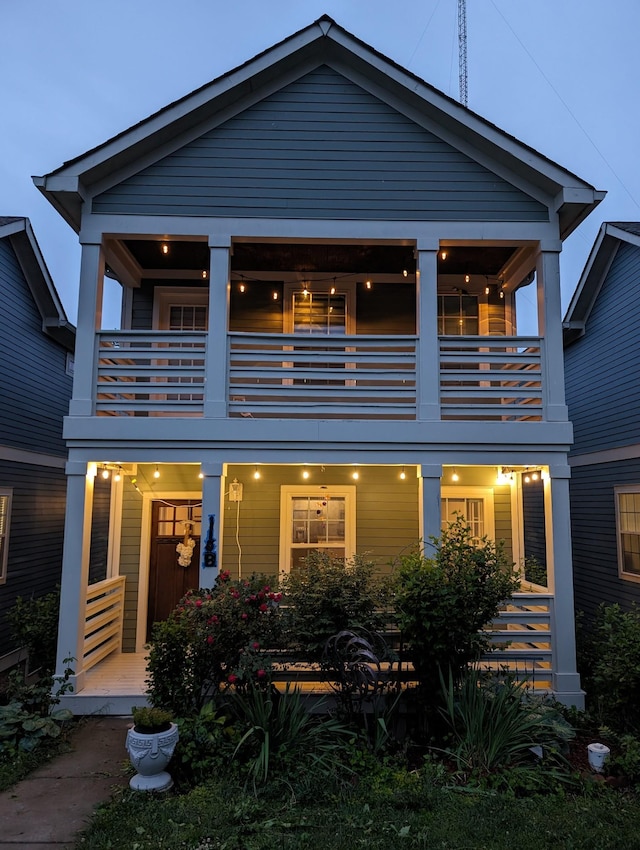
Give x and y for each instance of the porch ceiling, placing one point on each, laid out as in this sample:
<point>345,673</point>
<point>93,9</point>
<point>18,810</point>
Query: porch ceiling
<point>307,257</point>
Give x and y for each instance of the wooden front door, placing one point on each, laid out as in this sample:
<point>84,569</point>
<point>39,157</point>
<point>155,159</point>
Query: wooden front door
<point>168,580</point>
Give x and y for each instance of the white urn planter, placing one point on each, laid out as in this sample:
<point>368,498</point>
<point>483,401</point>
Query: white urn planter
<point>150,753</point>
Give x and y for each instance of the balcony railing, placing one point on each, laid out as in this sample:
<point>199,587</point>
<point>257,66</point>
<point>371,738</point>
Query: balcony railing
<point>162,373</point>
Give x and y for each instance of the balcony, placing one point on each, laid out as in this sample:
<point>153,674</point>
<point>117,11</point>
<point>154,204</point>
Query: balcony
<point>296,376</point>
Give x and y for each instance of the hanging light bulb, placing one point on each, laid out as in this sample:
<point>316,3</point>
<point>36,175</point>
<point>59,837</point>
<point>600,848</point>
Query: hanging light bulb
<point>156,472</point>
<point>535,476</point>
<point>486,290</point>
<point>118,475</point>
<point>355,475</point>
<point>502,293</point>
<point>527,479</point>
<point>403,474</point>
<point>275,296</point>
<point>454,475</point>
<point>305,290</point>
<point>367,284</point>
<point>305,473</point>
<point>256,473</point>
<point>201,474</point>
<point>443,255</point>
<point>105,472</point>
<point>165,248</point>
<point>467,278</point>
<point>242,287</point>
<point>332,291</point>
<point>204,274</point>
<point>405,273</point>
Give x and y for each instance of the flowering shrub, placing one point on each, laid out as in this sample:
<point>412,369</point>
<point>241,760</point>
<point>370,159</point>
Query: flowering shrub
<point>212,639</point>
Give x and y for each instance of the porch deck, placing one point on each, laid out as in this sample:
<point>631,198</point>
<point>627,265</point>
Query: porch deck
<point>112,686</point>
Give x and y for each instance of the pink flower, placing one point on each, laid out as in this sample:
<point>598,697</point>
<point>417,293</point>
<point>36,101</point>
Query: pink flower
<point>210,639</point>
<point>225,575</point>
<point>266,588</point>
<point>264,607</point>
<point>198,603</point>
<point>244,616</point>
<point>232,678</point>
<point>261,674</point>
<point>255,645</point>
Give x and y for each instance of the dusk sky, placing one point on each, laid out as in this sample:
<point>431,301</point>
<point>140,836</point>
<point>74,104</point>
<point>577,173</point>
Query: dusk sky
<point>560,75</point>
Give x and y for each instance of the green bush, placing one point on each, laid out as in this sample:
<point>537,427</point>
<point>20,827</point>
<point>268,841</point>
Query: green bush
<point>34,624</point>
<point>205,747</point>
<point>326,596</point>
<point>148,720</point>
<point>443,602</point>
<point>610,665</point>
<point>198,650</point>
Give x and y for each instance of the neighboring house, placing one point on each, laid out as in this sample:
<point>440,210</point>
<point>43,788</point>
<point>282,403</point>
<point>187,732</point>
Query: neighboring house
<point>602,361</point>
<point>36,342</point>
<point>320,256</point>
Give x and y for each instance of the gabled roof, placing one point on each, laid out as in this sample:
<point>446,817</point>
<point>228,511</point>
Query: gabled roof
<point>607,242</point>
<point>19,233</point>
<point>323,42</point>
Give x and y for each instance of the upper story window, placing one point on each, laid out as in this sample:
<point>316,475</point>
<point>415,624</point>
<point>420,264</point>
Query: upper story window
<point>628,531</point>
<point>5,517</point>
<point>458,315</point>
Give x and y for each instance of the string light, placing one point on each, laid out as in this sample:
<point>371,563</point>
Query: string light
<point>201,475</point>
<point>165,248</point>
<point>275,296</point>
<point>156,473</point>
<point>105,472</point>
<point>355,475</point>
<point>367,283</point>
<point>403,474</point>
<point>443,255</point>
<point>204,274</point>
<point>118,475</point>
<point>405,273</point>
<point>242,287</point>
<point>467,278</point>
<point>455,476</point>
<point>305,473</point>
<point>256,473</point>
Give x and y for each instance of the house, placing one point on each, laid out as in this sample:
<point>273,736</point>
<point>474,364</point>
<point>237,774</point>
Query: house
<point>603,394</point>
<point>320,258</point>
<point>37,344</point>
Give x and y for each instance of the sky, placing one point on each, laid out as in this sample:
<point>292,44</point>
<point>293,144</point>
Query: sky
<point>560,75</point>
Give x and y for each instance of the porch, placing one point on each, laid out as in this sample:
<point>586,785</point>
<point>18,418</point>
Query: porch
<point>523,636</point>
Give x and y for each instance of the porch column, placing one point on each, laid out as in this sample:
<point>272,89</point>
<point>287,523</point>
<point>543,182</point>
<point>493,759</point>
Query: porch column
<point>429,489</point>
<point>75,570</point>
<point>565,678</point>
<point>428,365</point>
<point>89,319</point>
<point>212,505</point>
<point>215,386</point>
<point>550,325</point>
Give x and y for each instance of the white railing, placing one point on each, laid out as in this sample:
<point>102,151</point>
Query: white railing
<point>491,378</point>
<point>523,639</point>
<point>103,620</point>
<point>162,373</point>
<point>150,372</point>
<point>296,376</point>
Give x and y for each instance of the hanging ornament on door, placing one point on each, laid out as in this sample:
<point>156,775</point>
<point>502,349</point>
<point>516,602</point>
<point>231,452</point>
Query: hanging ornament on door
<point>185,549</point>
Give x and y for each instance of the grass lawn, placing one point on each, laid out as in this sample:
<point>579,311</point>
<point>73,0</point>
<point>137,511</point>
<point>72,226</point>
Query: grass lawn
<point>381,817</point>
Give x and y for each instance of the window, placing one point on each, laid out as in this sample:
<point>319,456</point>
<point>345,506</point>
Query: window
<point>474,505</point>
<point>628,531</point>
<point>5,517</point>
<point>457,315</point>
<point>316,519</point>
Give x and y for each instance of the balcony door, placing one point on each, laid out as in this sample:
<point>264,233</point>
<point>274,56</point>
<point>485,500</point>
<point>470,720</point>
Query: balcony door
<point>319,308</point>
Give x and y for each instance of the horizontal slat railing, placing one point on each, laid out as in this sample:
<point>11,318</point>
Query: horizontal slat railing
<point>295,376</point>
<point>522,639</point>
<point>150,373</point>
<point>103,620</point>
<point>491,378</point>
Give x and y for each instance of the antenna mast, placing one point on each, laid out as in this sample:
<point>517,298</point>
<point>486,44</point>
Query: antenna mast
<point>462,50</point>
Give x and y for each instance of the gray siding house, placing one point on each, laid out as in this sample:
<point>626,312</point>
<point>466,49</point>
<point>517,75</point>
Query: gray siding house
<point>602,373</point>
<point>36,351</point>
<point>320,258</point>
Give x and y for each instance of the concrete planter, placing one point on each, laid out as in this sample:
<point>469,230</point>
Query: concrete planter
<point>150,754</point>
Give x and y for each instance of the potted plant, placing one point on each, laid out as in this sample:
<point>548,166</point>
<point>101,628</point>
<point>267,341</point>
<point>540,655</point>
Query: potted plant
<point>150,744</point>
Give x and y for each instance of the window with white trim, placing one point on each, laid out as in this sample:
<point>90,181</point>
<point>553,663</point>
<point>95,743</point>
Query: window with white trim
<point>5,519</point>
<point>628,531</point>
<point>474,505</point>
<point>316,519</point>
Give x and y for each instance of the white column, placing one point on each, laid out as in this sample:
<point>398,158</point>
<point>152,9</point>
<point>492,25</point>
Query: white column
<point>215,404</point>
<point>550,324</point>
<point>75,570</point>
<point>430,486</point>
<point>89,318</point>
<point>428,379</point>
<point>212,506</point>
<point>565,678</point>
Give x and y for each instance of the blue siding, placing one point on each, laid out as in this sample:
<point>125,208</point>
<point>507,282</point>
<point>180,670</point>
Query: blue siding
<point>35,536</point>
<point>321,148</point>
<point>34,387</point>
<point>602,367</point>
<point>593,525</point>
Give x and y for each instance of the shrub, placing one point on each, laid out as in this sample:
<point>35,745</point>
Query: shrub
<point>34,624</point>
<point>148,720</point>
<point>443,602</point>
<point>326,596</point>
<point>205,747</point>
<point>195,652</point>
<point>610,663</point>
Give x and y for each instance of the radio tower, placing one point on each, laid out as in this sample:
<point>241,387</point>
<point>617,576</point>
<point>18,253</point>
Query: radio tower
<point>462,50</point>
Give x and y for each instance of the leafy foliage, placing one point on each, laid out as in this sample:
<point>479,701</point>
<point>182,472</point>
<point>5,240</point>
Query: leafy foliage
<point>443,602</point>
<point>204,748</point>
<point>326,596</point>
<point>501,733</point>
<point>34,624</point>
<point>148,719</point>
<point>196,651</point>
<point>609,659</point>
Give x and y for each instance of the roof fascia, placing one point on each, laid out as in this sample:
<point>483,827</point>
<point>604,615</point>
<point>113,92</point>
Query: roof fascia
<point>39,281</point>
<point>592,278</point>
